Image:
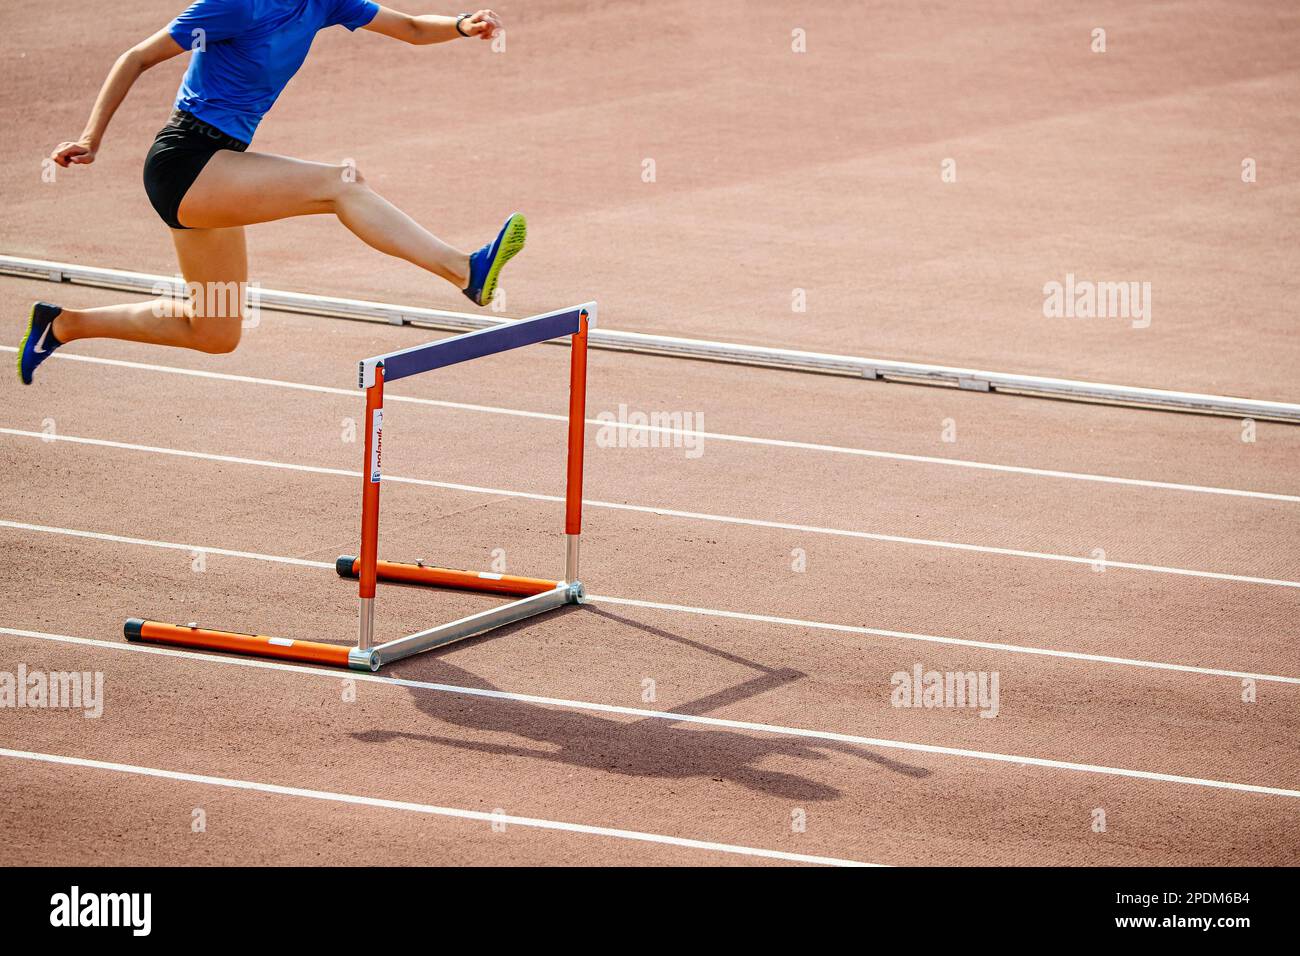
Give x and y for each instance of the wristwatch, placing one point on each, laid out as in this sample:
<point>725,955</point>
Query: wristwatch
<point>463,16</point>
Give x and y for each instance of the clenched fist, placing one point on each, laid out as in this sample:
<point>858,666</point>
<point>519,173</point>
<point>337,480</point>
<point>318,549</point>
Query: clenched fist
<point>484,24</point>
<point>73,154</point>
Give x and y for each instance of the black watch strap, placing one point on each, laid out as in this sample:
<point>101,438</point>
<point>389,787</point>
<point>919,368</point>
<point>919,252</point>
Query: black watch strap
<point>463,16</point>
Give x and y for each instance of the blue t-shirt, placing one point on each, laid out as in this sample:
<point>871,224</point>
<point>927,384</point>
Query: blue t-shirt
<point>246,51</point>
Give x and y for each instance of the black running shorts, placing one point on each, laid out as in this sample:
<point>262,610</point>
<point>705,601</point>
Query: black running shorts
<point>178,154</point>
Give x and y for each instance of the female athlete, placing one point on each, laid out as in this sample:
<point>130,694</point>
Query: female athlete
<point>206,184</point>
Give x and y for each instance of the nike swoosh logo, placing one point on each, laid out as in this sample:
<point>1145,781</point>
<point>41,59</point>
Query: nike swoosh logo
<point>39,347</point>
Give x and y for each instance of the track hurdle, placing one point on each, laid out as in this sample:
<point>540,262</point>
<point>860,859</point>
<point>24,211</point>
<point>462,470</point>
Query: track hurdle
<point>533,596</point>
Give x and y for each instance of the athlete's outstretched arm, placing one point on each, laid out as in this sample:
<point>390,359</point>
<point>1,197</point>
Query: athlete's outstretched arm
<point>432,28</point>
<point>124,73</point>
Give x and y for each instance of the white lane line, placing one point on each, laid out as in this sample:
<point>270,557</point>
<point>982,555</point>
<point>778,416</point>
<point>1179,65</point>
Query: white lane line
<point>170,545</point>
<point>702,611</point>
<point>666,512</point>
<point>936,639</point>
<point>383,804</point>
<point>580,705</point>
<point>690,433</point>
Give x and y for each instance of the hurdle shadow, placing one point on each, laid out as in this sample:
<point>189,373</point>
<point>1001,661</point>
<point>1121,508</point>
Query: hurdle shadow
<point>646,747</point>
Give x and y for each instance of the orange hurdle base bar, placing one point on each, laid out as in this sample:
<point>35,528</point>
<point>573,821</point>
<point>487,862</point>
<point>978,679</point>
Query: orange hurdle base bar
<point>348,566</point>
<point>310,652</point>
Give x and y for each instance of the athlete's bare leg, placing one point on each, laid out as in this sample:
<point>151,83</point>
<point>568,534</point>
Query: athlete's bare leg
<point>239,189</point>
<point>214,263</point>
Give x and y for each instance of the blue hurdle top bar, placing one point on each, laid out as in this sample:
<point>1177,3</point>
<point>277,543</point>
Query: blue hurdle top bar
<point>477,344</point>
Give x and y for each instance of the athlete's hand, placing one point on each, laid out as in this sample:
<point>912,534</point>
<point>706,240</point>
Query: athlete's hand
<point>483,25</point>
<point>73,154</point>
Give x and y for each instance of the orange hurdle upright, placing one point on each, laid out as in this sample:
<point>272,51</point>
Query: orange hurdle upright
<point>371,475</point>
<point>577,434</point>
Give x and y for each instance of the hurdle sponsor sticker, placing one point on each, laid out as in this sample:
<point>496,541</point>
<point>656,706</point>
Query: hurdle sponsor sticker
<point>489,575</point>
<point>280,641</point>
<point>376,444</point>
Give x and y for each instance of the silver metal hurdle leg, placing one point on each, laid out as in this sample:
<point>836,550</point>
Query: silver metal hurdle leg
<point>366,624</point>
<point>363,657</point>
<point>571,543</point>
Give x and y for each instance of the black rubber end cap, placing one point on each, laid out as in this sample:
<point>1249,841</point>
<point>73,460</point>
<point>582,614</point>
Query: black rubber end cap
<point>344,566</point>
<point>133,628</point>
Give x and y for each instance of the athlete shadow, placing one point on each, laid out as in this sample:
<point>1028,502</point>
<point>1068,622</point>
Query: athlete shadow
<point>646,747</point>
